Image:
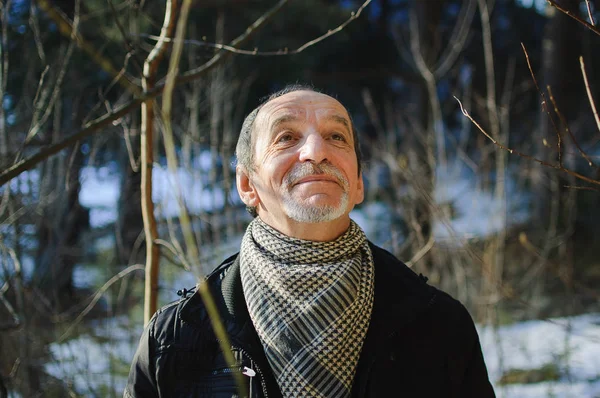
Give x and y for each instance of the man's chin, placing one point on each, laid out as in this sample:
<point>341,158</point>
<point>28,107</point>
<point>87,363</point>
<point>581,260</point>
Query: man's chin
<point>314,213</point>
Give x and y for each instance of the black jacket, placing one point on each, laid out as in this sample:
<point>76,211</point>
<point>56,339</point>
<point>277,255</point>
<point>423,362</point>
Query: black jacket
<point>420,343</point>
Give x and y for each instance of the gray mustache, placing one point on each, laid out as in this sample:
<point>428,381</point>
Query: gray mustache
<point>302,170</point>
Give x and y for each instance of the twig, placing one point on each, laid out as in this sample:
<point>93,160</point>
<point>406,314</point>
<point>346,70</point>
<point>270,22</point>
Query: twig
<point>423,251</point>
<point>37,123</point>
<point>457,40</point>
<point>178,253</point>
<point>582,188</point>
<point>102,94</point>
<point>589,92</point>
<point>95,297</point>
<point>133,162</point>
<point>168,140</point>
<point>66,28</point>
<point>232,48</point>
<point>544,104</point>
<point>130,48</point>
<point>35,28</point>
<point>429,78</point>
<point>525,156</point>
<point>91,128</point>
<point>589,10</point>
<point>564,122</point>
<point>527,245</point>
<point>575,17</point>
<point>7,304</point>
<point>219,57</point>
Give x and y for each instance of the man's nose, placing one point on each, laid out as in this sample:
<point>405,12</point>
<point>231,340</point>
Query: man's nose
<point>313,149</point>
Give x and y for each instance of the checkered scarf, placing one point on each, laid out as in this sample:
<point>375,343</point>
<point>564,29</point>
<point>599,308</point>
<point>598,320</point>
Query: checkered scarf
<point>310,303</point>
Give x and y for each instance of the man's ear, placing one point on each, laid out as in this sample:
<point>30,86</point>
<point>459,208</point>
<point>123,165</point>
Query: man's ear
<point>245,188</point>
<point>360,194</point>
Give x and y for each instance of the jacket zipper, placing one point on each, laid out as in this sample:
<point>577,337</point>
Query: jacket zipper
<point>246,371</point>
<point>256,369</point>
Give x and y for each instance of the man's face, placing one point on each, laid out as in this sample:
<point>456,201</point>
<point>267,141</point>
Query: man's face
<point>305,167</point>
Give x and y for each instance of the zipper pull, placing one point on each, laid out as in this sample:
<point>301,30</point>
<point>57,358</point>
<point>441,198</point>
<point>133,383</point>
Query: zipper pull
<point>248,372</point>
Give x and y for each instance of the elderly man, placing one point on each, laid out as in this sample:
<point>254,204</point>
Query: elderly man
<point>311,307</point>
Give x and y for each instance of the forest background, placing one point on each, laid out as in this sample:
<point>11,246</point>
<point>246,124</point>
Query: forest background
<point>119,120</point>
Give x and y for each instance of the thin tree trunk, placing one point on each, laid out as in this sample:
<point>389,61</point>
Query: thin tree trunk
<point>3,82</point>
<point>424,42</point>
<point>146,162</point>
<point>129,222</point>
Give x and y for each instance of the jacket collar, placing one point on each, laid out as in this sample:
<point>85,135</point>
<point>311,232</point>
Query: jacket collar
<point>225,286</point>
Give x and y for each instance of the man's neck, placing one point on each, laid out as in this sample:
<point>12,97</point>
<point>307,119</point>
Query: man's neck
<point>317,232</point>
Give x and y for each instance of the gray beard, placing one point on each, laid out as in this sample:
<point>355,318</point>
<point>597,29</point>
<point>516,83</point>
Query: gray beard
<point>304,213</point>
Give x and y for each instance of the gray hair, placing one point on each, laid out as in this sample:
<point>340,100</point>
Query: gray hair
<point>244,150</point>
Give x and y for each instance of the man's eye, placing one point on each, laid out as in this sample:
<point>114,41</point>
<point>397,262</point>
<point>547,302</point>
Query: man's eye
<point>338,137</point>
<point>285,137</point>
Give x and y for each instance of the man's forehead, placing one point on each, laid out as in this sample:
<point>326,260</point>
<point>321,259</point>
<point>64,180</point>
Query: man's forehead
<point>300,104</point>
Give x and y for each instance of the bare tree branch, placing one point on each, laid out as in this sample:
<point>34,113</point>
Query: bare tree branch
<point>575,17</point>
<point>582,188</point>
<point>430,80</point>
<point>589,92</point>
<point>236,43</point>
<point>106,120</point>
<point>589,10</point>
<point>94,299</point>
<point>234,50</point>
<point>564,122</point>
<point>65,27</point>
<point>115,15</point>
<point>4,10</point>
<point>147,162</point>
<point>33,22</point>
<point>525,156</point>
<point>91,128</point>
<point>188,235</point>
<point>110,118</point>
<point>544,105</point>
<point>423,251</point>
<point>37,122</point>
<point>457,40</point>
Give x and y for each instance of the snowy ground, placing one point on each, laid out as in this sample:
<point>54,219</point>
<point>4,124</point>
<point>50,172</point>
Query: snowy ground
<point>572,344</point>
<point>89,363</point>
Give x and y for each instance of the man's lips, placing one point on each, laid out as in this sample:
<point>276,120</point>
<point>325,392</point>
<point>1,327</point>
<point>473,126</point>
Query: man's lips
<point>317,178</point>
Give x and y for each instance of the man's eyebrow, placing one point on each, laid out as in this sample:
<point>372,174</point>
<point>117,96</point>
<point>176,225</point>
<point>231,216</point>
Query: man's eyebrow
<point>282,120</point>
<point>340,119</point>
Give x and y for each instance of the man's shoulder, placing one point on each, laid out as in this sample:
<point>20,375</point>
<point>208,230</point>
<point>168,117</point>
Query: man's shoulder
<point>403,277</point>
<point>190,306</point>
<point>395,271</point>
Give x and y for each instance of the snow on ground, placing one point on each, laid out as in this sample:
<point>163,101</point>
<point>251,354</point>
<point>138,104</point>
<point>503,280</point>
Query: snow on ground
<point>571,343</point>
<point>89,363</point>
